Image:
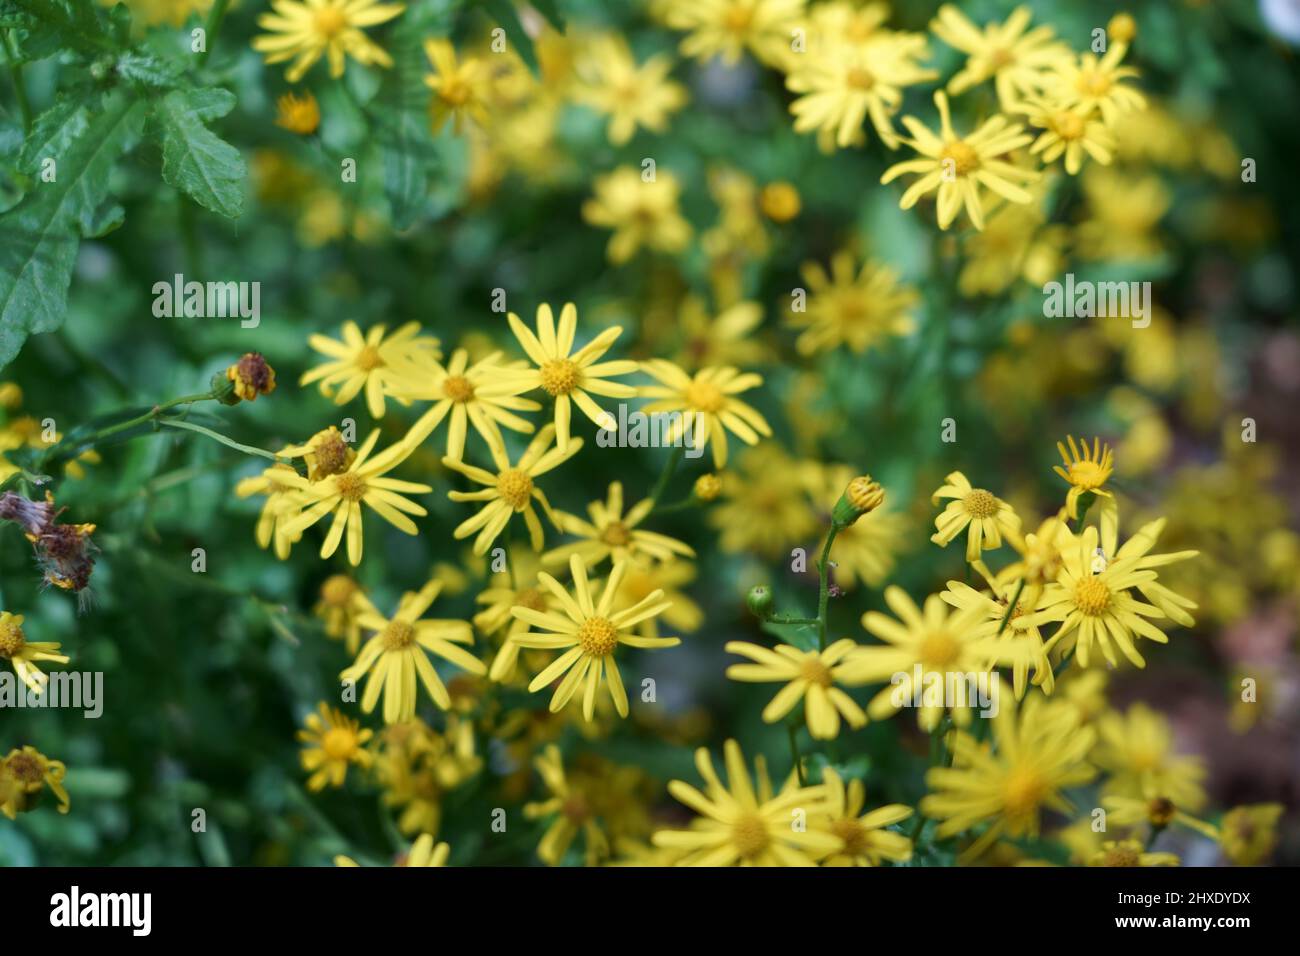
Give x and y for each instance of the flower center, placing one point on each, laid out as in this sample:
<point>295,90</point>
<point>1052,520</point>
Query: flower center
<point>1068,125</point>
<point>980,504</point>
<point>1091,596</point>
<point>330,22</point>
<point>454,91</point>
<point>750,836</point>
<point>351,486</point>
<point>859,79</point>
<point>853,835</point>
<point>597,636</point>
<point>337,591</point>
<point>964,158</point>
<point>457,388</point>
<point>1093,83</point>
<point>1160,811</point>
<point>369,359</point>
<point>575,808</point>
<point>1087,475</point>
<point>616,534</point>
<point>1122,854</point>
<point>515,488</point>
<point>704,396</point>
<point>559,376</point>
<point>339,743</point>
<point>815,672</point>
<point>938,649</point>
<point>398,635</point>
<point>12,640</point>
<point>738,18</point>
<point>332,455</point>
<point>1000,57</point>
<point>531,598</point>
<point>1024,790</point>
<point>25,767</point>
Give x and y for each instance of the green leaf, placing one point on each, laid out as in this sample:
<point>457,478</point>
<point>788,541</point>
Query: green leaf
<point>39,237</point>
<point>145,69</point>
<point>551,10</point>
<point>401,123</point>
<point>196,160</point>
<point>504,13</point>
<point>80,26</point>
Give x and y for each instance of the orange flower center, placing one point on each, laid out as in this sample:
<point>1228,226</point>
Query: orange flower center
<point>515,488</point>
<point>351,486</point>
<point>980,504</point>
<point>12,640</point>
<point>559,376</point>
<point>369,359</point>
<point>964,158</point>
<point>815,672</point>
<point>398,635</point>
<point>598,636</point>
<point>339,743</point>
<point>750,836</point>
<point>616,534</point>
<point>457,388</point>
<point>704,396</point>
<point>1091,596</point>
<point>330,22</point>
<point>859,79</point>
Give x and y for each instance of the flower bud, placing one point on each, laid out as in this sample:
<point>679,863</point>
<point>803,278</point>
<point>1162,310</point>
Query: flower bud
<point>862,495</point>
<point>760,601</point>
<point>708,487</point>
<point>1122,28</point>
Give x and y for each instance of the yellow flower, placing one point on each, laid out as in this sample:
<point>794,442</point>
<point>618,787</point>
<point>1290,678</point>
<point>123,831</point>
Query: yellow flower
<point>864,839</point>
<point>1091,595</point>
<point>1249,834</point>
<point>572,810</point>
<point>341,604</point>
<point>567,376</point>
<point>510,490</point>
<point>987,516</point>
<point>26,772</point>
<point>645,577</point>
<point>23,654</point>
<point>363,482</point>
<point>473,395</point>
<point>417,767</point>
<point>727,338</point>
<point>588,631</point>
<point>641,213</point>
<point>855,310</point>
<point>1066,133</point>
<point>1136,749</point>
<point>281,507</point>
<point>460,87</point>
<point>1016,58</point>
<point>1157,812</point>
<point>333,743</point>
<point>396,655</point>
<point>934,645</point>
<point>958,166</point>
<point>726,28</point>
<point>1038,751</point>
<point>503,595</point>
<point>299,115</point>
<point>707,405</point>
<point>11,395</point>
<point>325,453</point>
<point>764,510</point>
<point>1021,631</point>
<point>1129,853</point>
<point>746,825</point>
<point>305,31</point>
<point>1086,472</point>
<point>613,534</point>
<point>630,95</point>
<point>424,853</point>
<point>809,676</point>
<point>1088,84</point>
<point>1124,213</point>
<point>252,376</point>
<point>382,366</point>
<point>780,201</point>
<point>846,83</point>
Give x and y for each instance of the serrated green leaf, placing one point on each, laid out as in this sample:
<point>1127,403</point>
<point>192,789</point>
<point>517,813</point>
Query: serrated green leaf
<point>196,160</point>
<point>39,236</point>
<point>148,70</point>
<point>80,26</point>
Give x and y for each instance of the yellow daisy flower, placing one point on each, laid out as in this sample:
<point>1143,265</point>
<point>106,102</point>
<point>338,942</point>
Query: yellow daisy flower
<point>341,604</point>
<point>325,453</point>
<point>809,676</point>
<point>281,507</point>
<point>1136,749</point>
<point>631,95</point>
<point>1090,84</point>
<point>381,366</point>
<point>1021,631</point>
<point>468,395</point>
<point>298,114</point>
<point>461,88</point>
<point>1066,133</point>
<point>510,491</point>
<point>363,482</point>
<point>987,516</point>
<point>26,772</point>
<point>396,655</point>
<point>570,377</point>
<point>855,308</point>
<point>763,510</point>
<point>1129,853</point>
<point>642,213</point>
<point>23,654</point>
<point>645,577</point>
<point>957,167</point>
<point>727,338</point>
<point>864,839</point>
<point>726,28</point>
<point>747,825</point>
<point>708,406</point>
<point>1016,58</point>
<point>613,534</point>
<point>305,31</point>
<point>1038,751</point>
<point>333,743</point>
<point>1086,472</point>
<point>1248,834</point>
<point>499,598</point>
<point>572,811</point>
<point>1158,813</point>
<point>588,631</point>
<point>935,643</point>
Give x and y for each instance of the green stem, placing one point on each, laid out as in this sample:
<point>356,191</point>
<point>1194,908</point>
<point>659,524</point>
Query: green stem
<point>228,442</point>
<point>1011,608</point>
<point>20,85</point>
<point>665,476</point>
<point>57,453</point>
<point>213,27</point>
<point>823,586</point>
<point>791,730</point>
<point>682,505</point>
<point>786,619</point>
